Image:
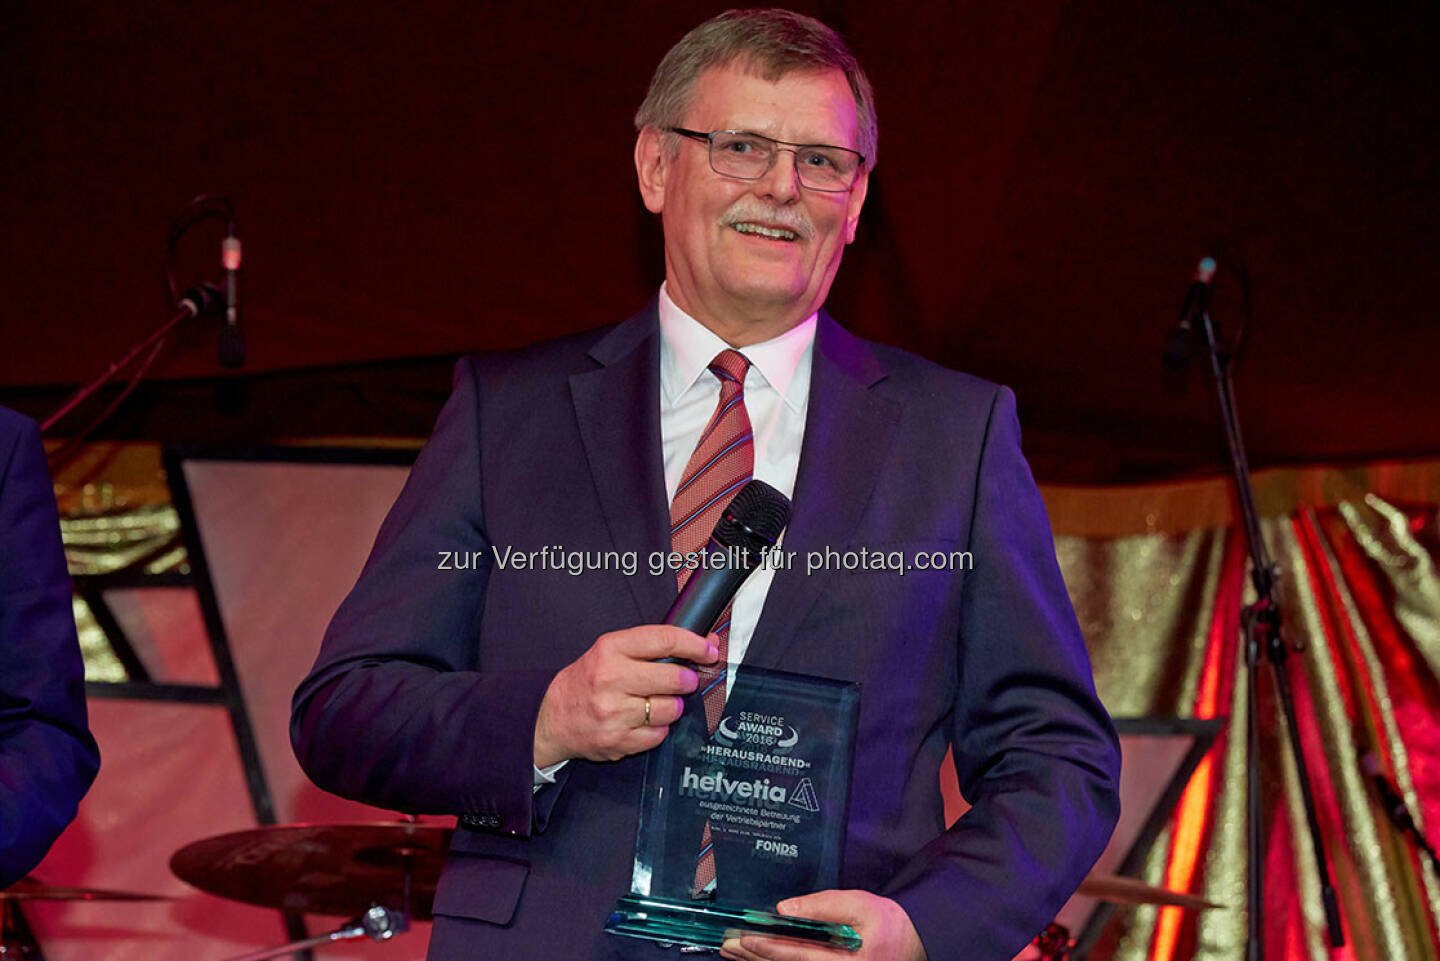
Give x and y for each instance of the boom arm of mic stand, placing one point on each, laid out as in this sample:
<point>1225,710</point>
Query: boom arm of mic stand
<point>1262,621</point>
<point>184,312</point>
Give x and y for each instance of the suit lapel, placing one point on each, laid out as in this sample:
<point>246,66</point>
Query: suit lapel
<point>626,464</point>
<point>848,431</point>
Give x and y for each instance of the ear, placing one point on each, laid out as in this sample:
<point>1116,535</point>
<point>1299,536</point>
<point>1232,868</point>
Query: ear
<point>652,167</point>
<point>857,200</point>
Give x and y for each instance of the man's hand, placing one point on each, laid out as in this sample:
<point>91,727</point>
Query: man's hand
<point>883,926</point>
<point>596,707</point>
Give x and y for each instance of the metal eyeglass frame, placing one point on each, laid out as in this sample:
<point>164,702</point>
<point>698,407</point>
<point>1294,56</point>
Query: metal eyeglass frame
<point>780,147</point>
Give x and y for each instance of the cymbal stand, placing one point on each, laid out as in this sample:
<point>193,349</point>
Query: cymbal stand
<point>17,942</point>
<point>378,924</point>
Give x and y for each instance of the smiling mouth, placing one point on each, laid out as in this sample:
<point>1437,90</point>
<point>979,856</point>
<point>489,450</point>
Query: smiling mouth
<point>759,230</point>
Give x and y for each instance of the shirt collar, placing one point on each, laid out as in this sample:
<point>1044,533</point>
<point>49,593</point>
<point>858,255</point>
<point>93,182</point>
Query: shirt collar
<point>687,347</point>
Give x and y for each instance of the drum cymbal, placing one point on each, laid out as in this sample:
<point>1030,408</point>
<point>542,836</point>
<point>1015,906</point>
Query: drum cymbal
<point>338,869</point>
<point>1122,890</point>
<point>29,889</point>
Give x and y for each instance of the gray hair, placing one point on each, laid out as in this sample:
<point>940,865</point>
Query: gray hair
<point>771,43</point>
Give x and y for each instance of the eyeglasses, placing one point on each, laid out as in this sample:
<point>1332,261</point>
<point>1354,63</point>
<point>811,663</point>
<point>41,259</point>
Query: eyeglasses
<point>749,156</point>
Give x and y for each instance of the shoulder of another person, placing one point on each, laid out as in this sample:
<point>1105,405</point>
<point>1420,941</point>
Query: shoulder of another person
<point>15,428</point>
<point>13,424</point>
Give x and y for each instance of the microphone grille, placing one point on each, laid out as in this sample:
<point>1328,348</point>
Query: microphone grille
<point>754,519</point>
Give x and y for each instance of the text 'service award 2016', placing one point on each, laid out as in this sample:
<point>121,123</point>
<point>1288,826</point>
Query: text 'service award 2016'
<point>773,784</point>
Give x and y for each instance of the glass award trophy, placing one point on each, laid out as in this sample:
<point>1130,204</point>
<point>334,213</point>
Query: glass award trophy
<point>773,784</point>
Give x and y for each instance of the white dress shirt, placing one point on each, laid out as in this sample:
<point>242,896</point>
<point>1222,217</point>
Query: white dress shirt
<point>777,394</point>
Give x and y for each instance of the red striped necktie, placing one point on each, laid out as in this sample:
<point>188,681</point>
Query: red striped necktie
<point>722,463</point>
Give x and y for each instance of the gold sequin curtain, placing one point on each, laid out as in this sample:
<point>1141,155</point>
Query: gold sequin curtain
<point>1160,604</point>
<point>115,516</point>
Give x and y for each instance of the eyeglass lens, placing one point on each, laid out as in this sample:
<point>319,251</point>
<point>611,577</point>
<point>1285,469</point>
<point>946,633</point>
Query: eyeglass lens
<point>749,157</point>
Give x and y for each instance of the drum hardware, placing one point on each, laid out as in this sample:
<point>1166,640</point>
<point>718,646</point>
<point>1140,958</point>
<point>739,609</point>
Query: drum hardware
<point>1055,943</point>
<point>16,940</point>
<point>381,874</point>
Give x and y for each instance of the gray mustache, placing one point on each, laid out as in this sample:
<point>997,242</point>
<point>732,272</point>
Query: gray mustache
<point>774,216</point>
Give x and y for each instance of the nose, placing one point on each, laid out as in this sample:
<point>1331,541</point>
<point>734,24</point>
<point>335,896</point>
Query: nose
<point>782,181</point>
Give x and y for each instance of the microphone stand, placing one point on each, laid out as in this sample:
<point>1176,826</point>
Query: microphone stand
<point>184,312</point>
<point>1262,624</point>
<point>198,300</point>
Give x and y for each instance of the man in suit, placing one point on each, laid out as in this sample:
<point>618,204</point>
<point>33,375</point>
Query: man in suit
<point>47,756</point>
<point>523,699</point>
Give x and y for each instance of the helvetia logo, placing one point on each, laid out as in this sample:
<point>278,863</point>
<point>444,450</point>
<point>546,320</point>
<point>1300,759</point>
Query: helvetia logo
<point>804,797</point>
<point>718,787</point>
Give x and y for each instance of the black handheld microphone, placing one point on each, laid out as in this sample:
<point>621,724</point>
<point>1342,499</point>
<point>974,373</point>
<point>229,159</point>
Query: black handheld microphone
<point>1197,302</point>
<point>232,342</point>
<point>750,525</point>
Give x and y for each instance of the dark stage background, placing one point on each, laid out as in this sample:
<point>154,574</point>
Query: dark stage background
<point>416,181</point>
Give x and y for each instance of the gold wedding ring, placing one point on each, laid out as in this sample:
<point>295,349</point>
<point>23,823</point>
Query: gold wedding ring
<point>647,712</point>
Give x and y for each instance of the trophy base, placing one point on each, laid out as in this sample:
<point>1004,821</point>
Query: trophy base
<point>704,924</point>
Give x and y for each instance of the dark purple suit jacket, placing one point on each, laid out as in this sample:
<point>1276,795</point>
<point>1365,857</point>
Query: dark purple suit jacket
<point>47,756</point>
<point>426,690</point>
